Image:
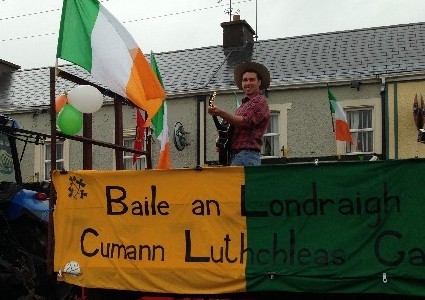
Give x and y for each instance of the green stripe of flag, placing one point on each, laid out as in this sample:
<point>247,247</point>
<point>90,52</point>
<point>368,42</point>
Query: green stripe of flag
<point>158,119</point>
<point>331,98</point>
<point>77,23</point>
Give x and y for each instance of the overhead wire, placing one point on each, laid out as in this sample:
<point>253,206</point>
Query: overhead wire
<point>148,18</point>
<point>29,14</point>
<point>124,22</point>
<point>28,36</point>
<point>184,12</point>
<point>34,13</point>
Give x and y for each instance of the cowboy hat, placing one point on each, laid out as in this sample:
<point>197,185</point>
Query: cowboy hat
<point>257,68</point>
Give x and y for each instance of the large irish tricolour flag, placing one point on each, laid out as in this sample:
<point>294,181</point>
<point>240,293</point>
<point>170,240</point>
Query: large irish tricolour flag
<point>92,38</point>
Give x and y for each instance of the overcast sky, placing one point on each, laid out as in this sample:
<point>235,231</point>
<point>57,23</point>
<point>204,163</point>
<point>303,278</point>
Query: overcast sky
<point>29,28</point>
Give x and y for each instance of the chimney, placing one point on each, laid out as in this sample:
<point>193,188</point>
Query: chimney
<point>237,33</point>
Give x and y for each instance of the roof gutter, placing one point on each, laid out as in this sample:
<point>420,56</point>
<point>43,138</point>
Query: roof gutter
<point>298,84</point>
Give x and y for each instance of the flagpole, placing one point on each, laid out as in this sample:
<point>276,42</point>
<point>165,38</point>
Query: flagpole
<point>332,117</point>
<point>333,125</point>
<point>56,68</point>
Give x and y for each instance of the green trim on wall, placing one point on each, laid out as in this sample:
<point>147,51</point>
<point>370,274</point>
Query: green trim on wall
<point>395,122</point>
<point>386,124</point>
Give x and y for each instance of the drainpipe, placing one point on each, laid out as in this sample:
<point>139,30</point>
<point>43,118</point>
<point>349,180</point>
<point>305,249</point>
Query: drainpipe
<point>199,100</point>
<point>384,117</point>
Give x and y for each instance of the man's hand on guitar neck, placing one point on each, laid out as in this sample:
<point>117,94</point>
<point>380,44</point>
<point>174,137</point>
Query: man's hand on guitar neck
<point>228,117</point>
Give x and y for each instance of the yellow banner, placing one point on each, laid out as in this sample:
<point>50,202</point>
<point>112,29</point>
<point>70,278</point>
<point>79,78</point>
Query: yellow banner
<point>164,231</point>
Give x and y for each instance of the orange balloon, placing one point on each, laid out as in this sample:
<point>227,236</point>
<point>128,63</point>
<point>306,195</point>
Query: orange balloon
<point>60,102</point>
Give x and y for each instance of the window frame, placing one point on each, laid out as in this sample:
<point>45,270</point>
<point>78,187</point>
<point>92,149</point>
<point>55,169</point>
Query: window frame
<point>130,134</point>
<point>356,130</point>
<point>282,111</point>
<point>274,135</point>
<point>40,159</point>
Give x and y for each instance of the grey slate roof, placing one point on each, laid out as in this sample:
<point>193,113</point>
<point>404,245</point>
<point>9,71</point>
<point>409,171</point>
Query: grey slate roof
<point>329,56</point>
<point>31,88</point>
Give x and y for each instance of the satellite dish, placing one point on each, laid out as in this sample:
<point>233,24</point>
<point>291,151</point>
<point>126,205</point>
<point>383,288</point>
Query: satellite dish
<point>180,136</point>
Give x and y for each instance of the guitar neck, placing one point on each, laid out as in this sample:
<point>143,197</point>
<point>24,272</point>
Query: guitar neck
<point>218,124</point>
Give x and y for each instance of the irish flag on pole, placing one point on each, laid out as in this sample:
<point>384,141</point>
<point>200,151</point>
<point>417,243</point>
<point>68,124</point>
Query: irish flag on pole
<point>342,131</point>
<point>92,38</point>
<point>159,122</point>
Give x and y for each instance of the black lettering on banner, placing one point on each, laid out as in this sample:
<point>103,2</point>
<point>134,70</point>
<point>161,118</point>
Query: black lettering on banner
<point>373,206</point>
<point>188,253</point>
<point>417,257</point>
<point>277,251</point>
<point>263,256</point>
<point>150,207</point>
<point>223,252</point>
<point>83,237</point>
<point>387,200</point>
<point>288,255</point>
<point>384,235</point>
<point>414,256</point>
<point>118,201</point>
<point>338,257</point>
<point>304,255</point>
<point>116,206</point>
<point>119,250</point>
<point>268,254</point>
<point>291,246</point>
<point>311,202</point>
<point>201,208</point>
<point>245,212</point>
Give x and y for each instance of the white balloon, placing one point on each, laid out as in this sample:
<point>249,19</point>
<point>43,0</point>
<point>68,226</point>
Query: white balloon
<point>86,98</point>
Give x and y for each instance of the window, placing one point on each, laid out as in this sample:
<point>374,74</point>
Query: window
<point>129,135</point>
<point>271,137</point>
<point>43,159</point>
<point>140,163</point>
<point>361,128</point>
<point>48,158</point>
<point>275,140</point>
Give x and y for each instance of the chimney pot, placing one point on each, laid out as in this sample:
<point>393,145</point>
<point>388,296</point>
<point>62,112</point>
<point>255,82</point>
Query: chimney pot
<point>236,18</point>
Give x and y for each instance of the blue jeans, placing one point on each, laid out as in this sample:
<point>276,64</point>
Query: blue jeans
<point>246,158</point>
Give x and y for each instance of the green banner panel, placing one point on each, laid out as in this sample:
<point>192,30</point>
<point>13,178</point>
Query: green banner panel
<point>345,227</point>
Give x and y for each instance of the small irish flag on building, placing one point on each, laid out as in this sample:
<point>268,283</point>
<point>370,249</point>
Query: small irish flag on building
<point>342,130</point>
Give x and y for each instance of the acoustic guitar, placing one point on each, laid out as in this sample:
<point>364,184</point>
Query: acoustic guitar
<point>224,136</point>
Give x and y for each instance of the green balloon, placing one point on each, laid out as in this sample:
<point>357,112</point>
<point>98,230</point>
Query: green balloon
<point>69,120</point>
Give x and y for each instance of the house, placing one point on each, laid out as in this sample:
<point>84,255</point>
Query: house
<point>375,73</point>
<point>7,66</point>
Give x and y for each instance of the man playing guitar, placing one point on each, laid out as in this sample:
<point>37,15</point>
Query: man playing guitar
<point>250,121</point>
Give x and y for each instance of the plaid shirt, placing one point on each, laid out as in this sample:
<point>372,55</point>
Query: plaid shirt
<point>255,112</point>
